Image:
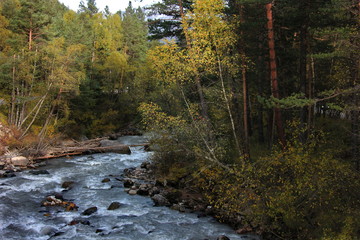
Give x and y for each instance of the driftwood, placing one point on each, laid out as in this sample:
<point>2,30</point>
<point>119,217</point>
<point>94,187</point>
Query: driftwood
<point>86,149</point>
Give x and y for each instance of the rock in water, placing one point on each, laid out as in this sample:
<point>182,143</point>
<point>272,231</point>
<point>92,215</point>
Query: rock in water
<point>128,183</point>
<point>39,172</point>
<point>223,237</point>
<point>105,180</point>
<point>160,200</point>
<point>114,205</point>
<point>67,184</point>
<point>133,192</point>
<point>90,211</point>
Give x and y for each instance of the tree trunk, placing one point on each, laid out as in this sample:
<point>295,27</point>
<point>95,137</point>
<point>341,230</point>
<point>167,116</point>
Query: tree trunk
<point>273,74</point>
<point>203,104</point>
<point>303,64</point>
<point>12,111</point>
<point>261,77</point>
<point>245,92</point>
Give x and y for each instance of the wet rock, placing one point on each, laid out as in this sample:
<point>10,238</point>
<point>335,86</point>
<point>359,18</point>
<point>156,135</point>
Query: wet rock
<point>153,191</point>
<point>58,234</point>
<point>223,237</point>
<point>105,180</point>
<point>99,231</point>
<point>39,172</point>
<point>20,161</point>
<point>160,200</point>
<point>114,206</point>
<point>178,207</point>
<point>143,190</point>
<point>2,165</point>
<point>48,230</point>
<point>128,183</point>
<point>79,220</point>
<point>7,174</point>
<point>90,211</point>
<point>67,184</point>
<point>133,192</point>
<point>58,200</point>
<point>145,165</point>
<point>59,196</point>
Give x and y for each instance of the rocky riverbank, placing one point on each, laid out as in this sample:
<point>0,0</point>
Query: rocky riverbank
<point>14,161</point>
<point>142,181</point>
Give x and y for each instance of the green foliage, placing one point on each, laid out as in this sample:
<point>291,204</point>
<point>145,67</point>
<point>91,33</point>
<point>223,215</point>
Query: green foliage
<point>299,193</point>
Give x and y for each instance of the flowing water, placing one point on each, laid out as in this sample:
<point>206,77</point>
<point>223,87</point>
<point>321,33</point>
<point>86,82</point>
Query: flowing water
<point>23,217</point>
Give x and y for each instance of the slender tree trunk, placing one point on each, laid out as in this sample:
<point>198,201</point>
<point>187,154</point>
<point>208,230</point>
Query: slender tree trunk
<point>261,137</point>
<point>203,104</point>
<point>273,74</point>
<point>245,91</point>
<point>12,111</point>
<point>303,64</point>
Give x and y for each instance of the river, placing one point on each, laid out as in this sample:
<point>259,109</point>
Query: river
<point>23,217</point>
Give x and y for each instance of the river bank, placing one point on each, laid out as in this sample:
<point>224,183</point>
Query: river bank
<point>32,205</point>
<point>18,159</point>
<point>180,196</point>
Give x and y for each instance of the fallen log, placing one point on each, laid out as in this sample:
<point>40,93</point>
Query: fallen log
<point>85,150</point>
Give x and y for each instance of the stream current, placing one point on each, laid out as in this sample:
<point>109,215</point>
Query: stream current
<point>23,217</point>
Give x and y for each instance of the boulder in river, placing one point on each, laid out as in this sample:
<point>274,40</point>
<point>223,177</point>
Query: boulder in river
<point>39,172</point>
<point>114,206</point>
<point>143,190</point>
<point>128,183</point>
<point>67,184</point>
<point>223,237</point>
<point>90,211</point>
<point>133,192</point>
<point>105,180</point>
<point>160,200</point>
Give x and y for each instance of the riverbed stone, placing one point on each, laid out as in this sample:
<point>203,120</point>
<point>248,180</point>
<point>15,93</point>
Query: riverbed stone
<point>67,184</point>
<point>222,237</point>
<point>20,161</point>
<point>105,180</point>
<point>90,211</point>
<point>114,206</point>
<point>143,190</point>
<point>160,200</point>
<point>39,172</point>
<point>133,192</point>
<point>128,183</point>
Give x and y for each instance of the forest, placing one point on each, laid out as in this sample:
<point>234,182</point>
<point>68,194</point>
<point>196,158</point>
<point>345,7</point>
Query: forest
<point>255,104</point>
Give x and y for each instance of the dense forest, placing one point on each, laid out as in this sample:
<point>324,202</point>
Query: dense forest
<point>253,103</point>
